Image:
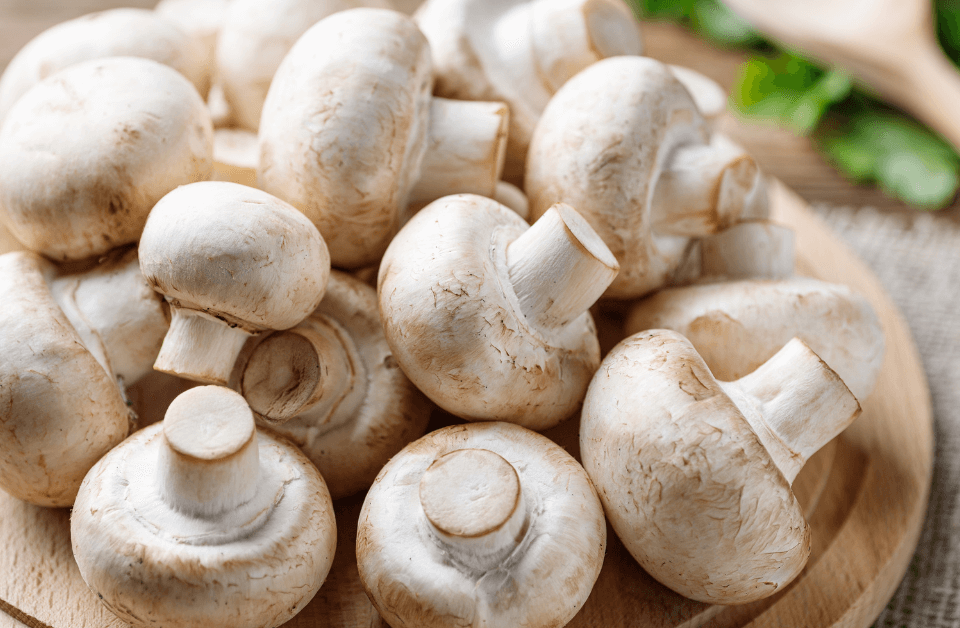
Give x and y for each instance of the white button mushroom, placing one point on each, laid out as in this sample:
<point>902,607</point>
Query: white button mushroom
<point>232,262</point>
<point>139,129</point>
<point>112,33</point>
<point>521,52</point>
<point>62,410</point>
<point>332,386</point>
<point>737,326</point>
<point>487,524</point>
<point>623,142</point>
<point>202,521</point>
<point>350,134</point>
<point>254,39</point>
<point>695,474</point>
<point>488,316</point>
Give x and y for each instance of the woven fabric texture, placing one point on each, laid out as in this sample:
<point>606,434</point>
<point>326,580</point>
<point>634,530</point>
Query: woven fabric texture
<point>917,258</point>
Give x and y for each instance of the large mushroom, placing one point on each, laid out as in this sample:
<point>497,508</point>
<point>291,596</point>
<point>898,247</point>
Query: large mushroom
<point>203,521</point>
<point>232,261</point>
<point>69,340</point>
<point>623,142</point>
<point>332,386</point>
<point>695,475</point>
<point>488,315</point>
<point>350,134</point>
<point>737,326</point>
<point>145,130</point>
<point>487,524</point>
<point>111,33</point>
<point>521,52</point>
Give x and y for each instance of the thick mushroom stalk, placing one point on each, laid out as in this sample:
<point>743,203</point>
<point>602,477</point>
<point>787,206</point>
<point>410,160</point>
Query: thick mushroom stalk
<point>474,503</point>
<point>208,461</point>
<point>559,267</point>
<point>754,249</point>
<point>795,403</point>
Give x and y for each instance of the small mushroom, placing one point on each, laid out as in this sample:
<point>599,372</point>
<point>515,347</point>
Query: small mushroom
<point>232,262</point>
<point>350,134</point>
<point>61,409</point>
<point>695,475</point>
<point>112,33</point>
<point>254,39</point>
<point>488,315</point>
<point>623,142</point>
<point>202,521</point>
<point>487,524</point>
<point>737,326</point>
<point>145,130</point>
<point>520,52</point>
<point>332,386</point>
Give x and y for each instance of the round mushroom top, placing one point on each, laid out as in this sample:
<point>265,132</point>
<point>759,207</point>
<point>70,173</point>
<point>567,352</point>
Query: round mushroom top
<point>684,480</point>
<point>600,146</point>
<point>236,253</point>
<point>141,130</point>
<point>253,560</point>
<point>350,436</point>
<point>485,524</point>
<point>61,410</point>
<point>113,33</point>
<point>737,326</point>
<point>454,322</point>
<point>343,129</point>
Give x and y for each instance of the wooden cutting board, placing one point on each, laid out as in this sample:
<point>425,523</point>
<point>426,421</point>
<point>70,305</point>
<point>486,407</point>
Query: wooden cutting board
<point>865,494</point>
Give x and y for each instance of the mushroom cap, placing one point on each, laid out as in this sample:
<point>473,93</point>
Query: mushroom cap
<point>153,565</point>
<point>600,145</point>
<point>343,128</point>
<point>61,410</point>
<point>411,579</point>
<point>737,326</point>
<point>235,252</point>
<point>145,130</point>
<point>684,480</point>
<point>455,325</point>
<point>112,33</point>
<point>254,39</point>
<point>487,50</point>
<point>351,446</point>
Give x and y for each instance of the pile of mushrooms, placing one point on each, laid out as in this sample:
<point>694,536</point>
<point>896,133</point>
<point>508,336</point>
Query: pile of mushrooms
<point>502,171</point>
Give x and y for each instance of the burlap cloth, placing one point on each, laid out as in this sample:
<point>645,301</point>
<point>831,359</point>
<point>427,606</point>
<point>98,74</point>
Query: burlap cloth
<point>917,258</point>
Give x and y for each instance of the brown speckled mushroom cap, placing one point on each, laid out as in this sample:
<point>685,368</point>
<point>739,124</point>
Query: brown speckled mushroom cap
<point>145,130</point>
<point>695,474</point>
<point>61,410</point>
<point>737,326</point>
<point>120,32</point>
<point>203,521</point>
<point>488,315</point>
<point>232,261</point>
<point>486,524</point>
<point>623,142</point>
<point>367,409</point>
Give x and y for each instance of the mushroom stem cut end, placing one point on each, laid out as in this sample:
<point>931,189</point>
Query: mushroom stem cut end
<point>803,404</point>
<point>473,502</point>
<point>200,347</point>
<point>559,267</point>
<point>209,461</point>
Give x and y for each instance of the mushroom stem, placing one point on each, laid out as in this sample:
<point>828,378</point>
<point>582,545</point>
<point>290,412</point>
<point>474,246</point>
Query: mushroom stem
<point>465,148</point>
<point>559,267</point>
<point>200,347</point>
<point>757,249</point>
<point>565,33</point>
<point>796,404</point>
<point>296,370</point>
<point>707,187</point>
<point>209,460</point>
<point>473,502</point>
